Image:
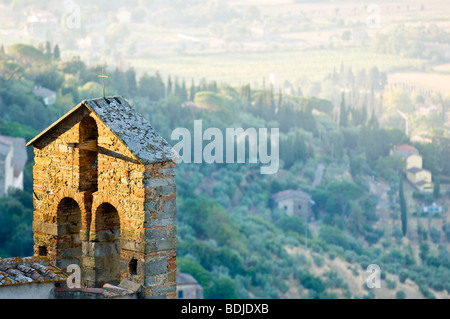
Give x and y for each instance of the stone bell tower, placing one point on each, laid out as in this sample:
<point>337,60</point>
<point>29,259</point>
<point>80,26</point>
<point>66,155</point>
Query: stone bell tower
<point>105,197</point>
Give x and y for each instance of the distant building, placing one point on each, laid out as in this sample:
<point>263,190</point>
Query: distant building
<point>39,22</point>
<point>13,157</point>
<point>421,178</point>
<point>415,173</point>
<point>405,150</point>
<point>49,96</point>
<point>188,287</point>
<point>433,208</point>
<point>294,203</point>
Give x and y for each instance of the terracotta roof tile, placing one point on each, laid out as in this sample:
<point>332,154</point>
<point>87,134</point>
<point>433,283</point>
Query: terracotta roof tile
<point>16,271</point>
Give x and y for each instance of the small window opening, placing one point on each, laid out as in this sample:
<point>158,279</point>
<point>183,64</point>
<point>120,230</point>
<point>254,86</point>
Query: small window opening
<point>132,266</point>
<point>42,251</point>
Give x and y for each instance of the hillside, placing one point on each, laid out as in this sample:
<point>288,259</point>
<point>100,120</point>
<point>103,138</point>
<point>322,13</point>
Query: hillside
<point>231,238</point>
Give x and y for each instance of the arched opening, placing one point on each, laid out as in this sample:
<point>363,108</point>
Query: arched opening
<point>88,155</point>
<point>68,246</point>
<point>107,251</point>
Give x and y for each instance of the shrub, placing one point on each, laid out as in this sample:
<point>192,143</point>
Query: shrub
<point>391,284</point>
<point>435,235</point>
<point>402,276</point>
<point>334,280</point>
<point>311,282</point>
<point>318,260</point>
<point>400,294</point>
<point>426,292</point>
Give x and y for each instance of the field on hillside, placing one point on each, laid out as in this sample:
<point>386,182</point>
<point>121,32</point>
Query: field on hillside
<point>428,81</point>
<point>241,68</point>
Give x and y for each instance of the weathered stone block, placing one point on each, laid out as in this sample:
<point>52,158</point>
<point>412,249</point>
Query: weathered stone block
<point>158,182</point>
<point>156,267</point>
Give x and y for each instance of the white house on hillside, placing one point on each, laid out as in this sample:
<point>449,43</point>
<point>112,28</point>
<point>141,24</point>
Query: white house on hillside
<point>13,157</point>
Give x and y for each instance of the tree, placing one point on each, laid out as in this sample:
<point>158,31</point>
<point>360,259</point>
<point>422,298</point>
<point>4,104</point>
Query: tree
<point>169,86</point>
<point>221,288</point>
<point>343,116</point>
<point>292,223</point>
<point>192,90</point>
<point>435,235</point>
<point>2,53</point>
<point>424,250</point>
<point>130,75</point>
<point>48,49</point>
<point>26,55</point>
<point>190,266</point>
<point>56,52</point>
<point>342,193</point>
<point>403,208</point>
<point>437,188</point>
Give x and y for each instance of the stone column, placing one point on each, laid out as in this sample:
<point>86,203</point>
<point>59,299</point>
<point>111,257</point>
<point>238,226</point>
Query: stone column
<point>160,231</point>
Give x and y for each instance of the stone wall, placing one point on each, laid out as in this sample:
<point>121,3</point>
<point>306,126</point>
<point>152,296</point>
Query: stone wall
<point>134,238</point>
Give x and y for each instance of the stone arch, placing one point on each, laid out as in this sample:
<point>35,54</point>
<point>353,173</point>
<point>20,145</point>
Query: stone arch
<point>68,246</point>
<point>99,199</point>
<point>88,154</point>
<point>79,198</point>
<point>106,244</point>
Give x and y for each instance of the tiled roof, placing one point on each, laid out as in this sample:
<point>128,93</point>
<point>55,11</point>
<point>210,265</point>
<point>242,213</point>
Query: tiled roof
<point>290,194</point>
<point>415,170</point>
<point>43,92</point>
<point>407,147</point>
<point>17,271</point>
<point>128,125</point>
<point>406,150</point>
<point>185,279</point>
<point>108,291</point>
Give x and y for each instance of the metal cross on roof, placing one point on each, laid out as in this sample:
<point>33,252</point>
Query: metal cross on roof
<point>103,76</point>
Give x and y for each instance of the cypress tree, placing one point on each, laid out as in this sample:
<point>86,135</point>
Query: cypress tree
<point>56,52</point>
<point>169,86</point>
<point>48,49</point>
<point>2,53</point>
<point>192,91</point>
<point>437,188</point>
<point>403,209</point>
<point>343,116</point>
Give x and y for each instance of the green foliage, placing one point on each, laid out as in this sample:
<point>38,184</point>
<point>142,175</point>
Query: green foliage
<point>309,281</point>
<point>389,166</point>
<point>335,236</point>
<point>229,238</point>
<point>209,220</point>
<point>400,294</point>
<point>26,54</point>
<point>221,288</point>
<point>403,209</point>
<point>435,235</point>
<point>292,223</point>
<point>16,216</point>
<point>188,265</point>
<point>409,41</point>
<point>424,250</point>
<point>334,281</point>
